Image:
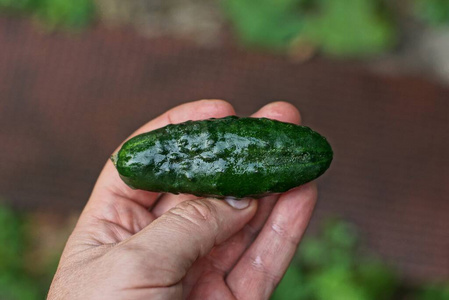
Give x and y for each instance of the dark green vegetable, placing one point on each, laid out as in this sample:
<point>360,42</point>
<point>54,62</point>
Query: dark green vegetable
<point>232,156</point>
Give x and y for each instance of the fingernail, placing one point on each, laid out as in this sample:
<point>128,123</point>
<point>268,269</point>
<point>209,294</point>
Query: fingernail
<point>238,203</point>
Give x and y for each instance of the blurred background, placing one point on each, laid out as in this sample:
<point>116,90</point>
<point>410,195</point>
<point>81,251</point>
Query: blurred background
<point>77,77</point>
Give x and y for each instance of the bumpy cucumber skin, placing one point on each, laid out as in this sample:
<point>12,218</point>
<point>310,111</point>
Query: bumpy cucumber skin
<point>232,156</point>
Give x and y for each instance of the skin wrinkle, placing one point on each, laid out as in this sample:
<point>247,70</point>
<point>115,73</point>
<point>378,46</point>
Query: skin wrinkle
<point>119,232</point>
<point>217,265</point>
<point>251,231</point>
<point>155,274</point>
<point>169,201</point>
<point>112,213</point>
<point>282,233</point>
<point>196,221</point>
<point>204,289</point>
<point>115,212</point>
<point>121,190</point>
<point>72,271</point>
<point>258,265</point>
<point>83,245</point>
<point>183,216</point>
<point>168,283</point>
<point>206,214</point>
<point>124,194</point>
<point>258,262</point>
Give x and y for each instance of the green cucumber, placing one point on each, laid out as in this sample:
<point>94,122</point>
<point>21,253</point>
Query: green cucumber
<point>232,156</point>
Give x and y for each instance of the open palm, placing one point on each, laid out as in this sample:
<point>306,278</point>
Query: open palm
<point>133,244</point>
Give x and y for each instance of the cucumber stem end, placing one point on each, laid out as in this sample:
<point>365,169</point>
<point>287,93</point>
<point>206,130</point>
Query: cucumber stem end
<point>114,158</point>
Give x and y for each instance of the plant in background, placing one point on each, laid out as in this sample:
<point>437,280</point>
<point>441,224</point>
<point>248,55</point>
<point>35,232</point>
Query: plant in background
<point>54,14</point>
<point>337,28</point>
<point>435,12</point>
<point>266,23</point>
<point>350,28</point>
<point>27,264</point>
<point>67,14</point>
<point>15,283</point>
<point>438,291</point>
<point>17,5</point>
<point>330,266</point>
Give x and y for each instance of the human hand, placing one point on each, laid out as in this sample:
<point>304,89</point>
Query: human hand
<point>134,244</point>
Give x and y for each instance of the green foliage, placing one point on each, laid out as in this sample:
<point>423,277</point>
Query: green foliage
<point>338,28</point>
<point>330,266</point>
<point>338,236</point>
<point>293,286</point>
<point>16,282</point>
<point>54,13</point>
<point>434,292</point>
<point>379,281</point>
<point>64,13</point>
<point>434,12</point>
<point>17,5</point>
<point>17,287</point>
<point>336,283</point>
<point>12,241</point>
<point>266,23</point>
<point>350,28</point>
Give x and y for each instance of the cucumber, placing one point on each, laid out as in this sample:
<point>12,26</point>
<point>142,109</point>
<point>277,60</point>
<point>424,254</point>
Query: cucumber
<point>232,156</point>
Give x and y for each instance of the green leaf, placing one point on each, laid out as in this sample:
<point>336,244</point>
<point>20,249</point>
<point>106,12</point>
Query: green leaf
<point>18,288</point>
<point>54,14</point>
<point>18,5</point>
<point>350,28</point>
<point>12,241</point>
<point>435,12</point>
<point>313,253</point>
<point>336,283</point>
<point>67,14</point>
<point>265,23</point>
<point>377,278</point>
<point>338,28</point>
<point>340,234</point>
<point>434,292</point>
<point>292,287</point>
<point>15,283</point>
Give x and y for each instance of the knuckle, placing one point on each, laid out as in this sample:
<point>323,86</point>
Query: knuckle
<point>283,233</point>
<point>197,212</point>
<point>257,264</point>
<point>198,209</point>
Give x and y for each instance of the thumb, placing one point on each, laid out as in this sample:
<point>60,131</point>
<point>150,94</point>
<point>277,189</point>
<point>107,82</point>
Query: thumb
<point>174,241</point>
